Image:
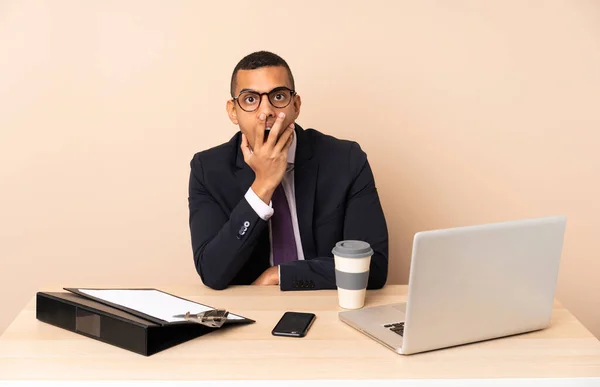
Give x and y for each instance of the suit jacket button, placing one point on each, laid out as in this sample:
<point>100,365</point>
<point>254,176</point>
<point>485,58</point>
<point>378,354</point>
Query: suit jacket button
<point>295,284</point>
<point>246,224</point>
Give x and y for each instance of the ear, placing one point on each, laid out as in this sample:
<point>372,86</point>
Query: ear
<point>230,107</point>
<point>297,103</point>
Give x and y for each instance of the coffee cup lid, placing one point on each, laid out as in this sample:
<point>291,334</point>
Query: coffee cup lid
<point>352,249</point>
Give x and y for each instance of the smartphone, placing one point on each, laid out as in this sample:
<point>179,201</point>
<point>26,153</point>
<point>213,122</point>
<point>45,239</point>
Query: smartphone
<point>294,324</point>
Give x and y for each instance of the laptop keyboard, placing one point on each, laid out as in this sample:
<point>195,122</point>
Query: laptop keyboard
<point>396,328</point>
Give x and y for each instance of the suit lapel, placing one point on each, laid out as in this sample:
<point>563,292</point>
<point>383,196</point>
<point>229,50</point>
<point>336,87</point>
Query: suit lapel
<point>245,178</point>
<point>305,182</point>
<point>244,175</point>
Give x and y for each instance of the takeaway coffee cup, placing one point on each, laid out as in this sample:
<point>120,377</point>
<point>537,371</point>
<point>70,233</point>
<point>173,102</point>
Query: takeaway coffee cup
<point>352,260</point>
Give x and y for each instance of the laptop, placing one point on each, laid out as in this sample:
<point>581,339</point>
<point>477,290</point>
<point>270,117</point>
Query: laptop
<point>470,284</point>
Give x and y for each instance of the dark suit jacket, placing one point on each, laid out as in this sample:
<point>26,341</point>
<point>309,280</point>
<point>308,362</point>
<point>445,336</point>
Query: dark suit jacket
<point>336,199</point>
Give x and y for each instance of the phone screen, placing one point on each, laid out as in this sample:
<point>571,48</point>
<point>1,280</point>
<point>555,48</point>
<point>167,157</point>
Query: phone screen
<point>294,324</point>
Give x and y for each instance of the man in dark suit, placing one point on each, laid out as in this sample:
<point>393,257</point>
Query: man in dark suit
<point>267,207</point>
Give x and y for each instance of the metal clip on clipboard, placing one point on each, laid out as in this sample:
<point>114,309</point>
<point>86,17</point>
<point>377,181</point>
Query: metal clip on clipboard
<point>214,318</point>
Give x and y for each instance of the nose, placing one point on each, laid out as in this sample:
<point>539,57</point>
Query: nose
<point>265,108</point>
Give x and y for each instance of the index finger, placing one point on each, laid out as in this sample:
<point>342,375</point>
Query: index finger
<point>259,133</point>
<point>276,130</point>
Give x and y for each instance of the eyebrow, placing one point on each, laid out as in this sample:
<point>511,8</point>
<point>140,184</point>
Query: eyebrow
<point>254,91</point>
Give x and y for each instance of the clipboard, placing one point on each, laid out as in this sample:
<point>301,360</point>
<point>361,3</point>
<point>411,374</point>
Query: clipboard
<point>85,292</point>
<point>117,325</point>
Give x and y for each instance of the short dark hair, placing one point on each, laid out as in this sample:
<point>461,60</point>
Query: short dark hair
<point>257,60</point>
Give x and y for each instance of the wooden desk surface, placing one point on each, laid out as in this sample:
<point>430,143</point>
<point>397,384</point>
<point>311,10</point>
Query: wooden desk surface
<point>30,349</point>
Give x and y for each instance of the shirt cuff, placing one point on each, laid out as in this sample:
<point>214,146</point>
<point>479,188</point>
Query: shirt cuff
<point>263,210</point>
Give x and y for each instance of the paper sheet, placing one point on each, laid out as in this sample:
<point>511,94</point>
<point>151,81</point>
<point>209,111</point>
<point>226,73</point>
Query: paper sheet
<point>151,302</point>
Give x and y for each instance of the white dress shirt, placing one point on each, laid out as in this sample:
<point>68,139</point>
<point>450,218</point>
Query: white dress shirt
<point>265,211</point>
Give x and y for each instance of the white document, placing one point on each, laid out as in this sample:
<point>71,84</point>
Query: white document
<point>151,302</point>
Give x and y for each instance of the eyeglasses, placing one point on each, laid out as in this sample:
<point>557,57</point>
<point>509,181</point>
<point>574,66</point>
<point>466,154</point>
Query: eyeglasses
<point>279,97</point>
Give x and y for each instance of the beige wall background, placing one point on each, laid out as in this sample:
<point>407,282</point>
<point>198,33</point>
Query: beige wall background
<point>470,112</point>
